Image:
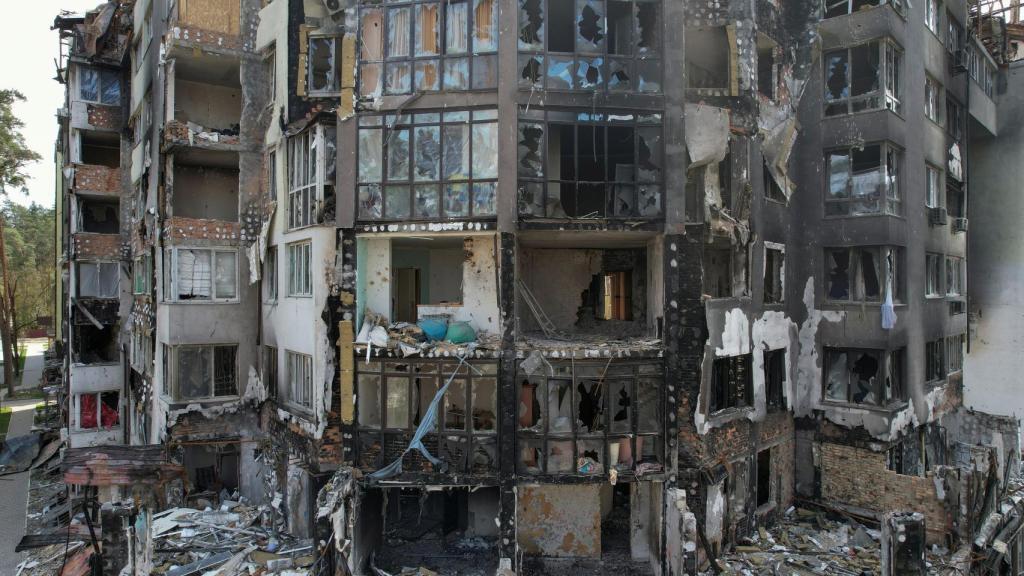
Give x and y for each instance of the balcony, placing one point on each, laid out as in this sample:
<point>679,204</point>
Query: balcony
<point>213,24</point>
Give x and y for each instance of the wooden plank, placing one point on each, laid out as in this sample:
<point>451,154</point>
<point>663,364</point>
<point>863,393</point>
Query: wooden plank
<point>346,337</point>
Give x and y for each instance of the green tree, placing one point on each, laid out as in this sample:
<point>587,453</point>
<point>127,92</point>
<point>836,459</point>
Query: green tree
<point>15,155</point>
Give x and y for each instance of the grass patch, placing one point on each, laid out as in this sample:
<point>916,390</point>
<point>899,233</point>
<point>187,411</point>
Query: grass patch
<point>5,422</point>
<point>27,394</point>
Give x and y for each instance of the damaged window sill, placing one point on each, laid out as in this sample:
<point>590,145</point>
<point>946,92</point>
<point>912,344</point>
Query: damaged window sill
<point>847,304</point>
<point>888,409</point>
<point>301,412</point>
<point>178,404</point>
<point>727,414</point>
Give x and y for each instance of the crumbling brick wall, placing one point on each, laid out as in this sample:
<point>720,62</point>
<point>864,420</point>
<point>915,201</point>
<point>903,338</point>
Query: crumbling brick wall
<point>108,117</point>
<point>91,245</point>
<point>93,178</point>
<point>859,477</point>
<point>181,228</point>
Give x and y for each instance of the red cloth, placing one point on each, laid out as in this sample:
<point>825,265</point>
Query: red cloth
<point>109,415</point>
<point>87,411</point>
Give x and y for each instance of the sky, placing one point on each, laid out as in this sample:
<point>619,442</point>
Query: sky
<point>29,49</point>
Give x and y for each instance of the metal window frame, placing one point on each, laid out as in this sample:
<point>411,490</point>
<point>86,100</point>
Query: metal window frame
<point>172,367</point>
<point>213,299</point>
<point>890,205</point>
<point>887,357</point>
<point>885,269</point>
<point>887,100</point>
<point>305,273</point>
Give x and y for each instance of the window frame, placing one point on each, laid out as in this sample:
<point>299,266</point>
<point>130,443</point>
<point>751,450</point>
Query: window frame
<point>954,276</point>
<point>299,394</point>
<point>934,191</point>
<point>99,411</point>
<point>897,5</point>
<point>733,398</point>
<point>775,392</point>
<point>955,352</point>
<point>935,275</point>
<point>780,250</point>
<point>309,189</point>
<point>103,75</point>
<point>933,16</point>
<point>173,270</point>
<point>886,359</point>
<point>936,367</point>
<point>441,59</point>
<point>270,370</point>
<point>304,272</point>
<point>466,187</point>
<point>532,182</point>
<point>270,275</point>
<point>172,366</point>
<point>889,181</point>
<point>889,261</point>
<point>142,274</point>
<point>934,102</point>
<point>889,80</point>
<point>99,265</point>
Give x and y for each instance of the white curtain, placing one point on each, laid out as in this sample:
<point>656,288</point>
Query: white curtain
<point>194,274</point>
<point>398,32</point>
<point>226,277</point>
<point>457,28</point>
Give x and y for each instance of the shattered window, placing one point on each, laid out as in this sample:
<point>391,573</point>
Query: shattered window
<point>590,165</point>
<point>731,383</point>
<point>863,181</point>
<point>612,45</point>
<point>932,100</point>
<point>582,417</point>
<point>418,46</point>
<point>428,166</point>
<point>393,399</point>
<point>854,78</point>
<point>863,274</point>
<point>935,360</point>
<point>323,66</point>
<point>204,372</point>
<point>99,85</point>
<point>300,379</point>
<point>99,216</point>
<point>311,175</point>
<point>854,376</point>
<point>775,377</point>
<point>709,55</point>
<point>98,279</point>
<point>204,275</point>
<point>774,274</point>
<point>934,286</point>
<point>954,118</point>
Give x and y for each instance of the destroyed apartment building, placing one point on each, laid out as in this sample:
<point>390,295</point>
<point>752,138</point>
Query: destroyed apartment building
<point>522,285</point>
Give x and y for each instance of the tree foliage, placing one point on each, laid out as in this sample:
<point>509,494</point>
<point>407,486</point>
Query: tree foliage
<point>29,239</point>
<point>14,153</point>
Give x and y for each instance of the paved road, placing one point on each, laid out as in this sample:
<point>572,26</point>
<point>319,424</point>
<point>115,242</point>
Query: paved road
<point>33,364</point>
<point>14,488</point>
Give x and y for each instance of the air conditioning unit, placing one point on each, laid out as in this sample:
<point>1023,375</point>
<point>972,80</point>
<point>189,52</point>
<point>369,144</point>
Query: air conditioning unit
<point>959,224</point>
<point>937,216</point>
<point>958,62</point>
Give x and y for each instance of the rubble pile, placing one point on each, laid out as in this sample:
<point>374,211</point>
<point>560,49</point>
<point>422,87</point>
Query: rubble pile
<point>431,337</point>
<point>228,541</point>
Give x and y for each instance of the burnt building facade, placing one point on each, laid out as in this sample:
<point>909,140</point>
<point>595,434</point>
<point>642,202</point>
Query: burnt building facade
<point>603,284</point>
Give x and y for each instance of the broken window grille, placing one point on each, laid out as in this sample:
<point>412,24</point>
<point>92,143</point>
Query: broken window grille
<point>300,280</point>
<point>861,274</point>
<point>709,56</point>
<point>99,85</point>
<point>954,275</point>
<point>864,77</point>
<point>204,372</point>
<point>612,45</point>
<point>392,397</point>
<point>428,45</point>
<point>590,165</point>
<point>311,176</point>
<point>932,100</point>
<point>99,410</point>
<point>774,284</point>
<point>428,166</point>
<point>270,370</point>
<point>835,8</point>
<point>323,66</point>
<point>935,361</point>
<point>955,352</point>
<point>863,181</point>
<point>934,285</point>
<point>202,275</point>
<point>582,418</point>
<point>98,279</point>
<point>99,216</point>
<point>871,377</point>
<point>731,384</point>
<point>300,379</point>
<point>775,377</point>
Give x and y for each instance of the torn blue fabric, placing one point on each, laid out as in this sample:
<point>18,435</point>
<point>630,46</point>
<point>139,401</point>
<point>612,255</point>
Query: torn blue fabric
<point>427,425</point>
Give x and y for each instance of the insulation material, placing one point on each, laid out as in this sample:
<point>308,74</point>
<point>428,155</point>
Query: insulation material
<point>707,134</point>
<point>257,251</point>
<point>777,147</point>
<point>345,345</point>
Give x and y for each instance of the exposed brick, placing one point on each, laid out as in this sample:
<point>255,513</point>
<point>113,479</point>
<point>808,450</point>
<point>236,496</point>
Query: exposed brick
<point>94,178</point>
<point>108,117</point>
<point>181,228</point>
<point>92,245</point>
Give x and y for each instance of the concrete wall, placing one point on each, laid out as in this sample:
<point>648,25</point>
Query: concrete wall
<point>209,105</point>
<point>205,192</point>
<point>88,379</point>
<point>559,520</point>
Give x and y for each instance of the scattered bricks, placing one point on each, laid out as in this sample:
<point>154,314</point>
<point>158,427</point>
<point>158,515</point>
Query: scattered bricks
<point>180,228</point>
<point>92,245</point>
<point>98,179</point>
<point>108,117</point>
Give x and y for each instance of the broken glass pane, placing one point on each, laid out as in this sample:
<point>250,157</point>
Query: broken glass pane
<point>369,80</point>
<point>456,152</point>
<point>590,406</point>
<point>426,389</point>
<point>456,200</point>
<point>531,456</point>
<point>836,85</point>
<point>485,26</point>
<point>427,29</point>
<point>371,42</point>
<point>864,65</point>
<point>588,73</point>
<point>560,457</point>
<point>839,275</point>
<point>620,27</point>
<point>194,275</point>
<point>621,405</point>
<point>398,78</point>
<point>396,407</point>
<point>370,148</point>
<point>485,404</point>
<point>838,383</point>
<point>838,174</point>
<point>649,155</point>
<point>560,405</point>
<point>427,76</point>
<point>590,26</point>
<point>397,202</point>
<point>457,27</point>
<point>485,72</point>
<point>531,164</point>
<point>531,71</point>
<point>620,451</point>
<point>620,75</point>
<point>111,87</point>
<point>322,77</point>
<point>590,457</point>
<point>398,154</point>
<point>531,198</point>
<point>194,372</point>
<point>427,163</point>
<point>867,179</point>
<point>865,370</point>
<point>455,405</point>
<point>648,27</point>
<point>624,200</point>
<point>371,203</point>
<point>531,24</point>
<point>531,408</point>
<point>485,455</point>
<point>649,200</point>
<point>483,198</point>
<point>559,72</point>
<point>485,150</point>
<point>89,84</point>
<point>426,201</point>
<point>649,449</point>
<point>649,75</point>
<point>870,287</point>
<point>456,73</point>
<point>110,409</point>
<point>649,405</point>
